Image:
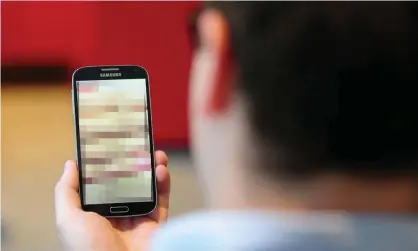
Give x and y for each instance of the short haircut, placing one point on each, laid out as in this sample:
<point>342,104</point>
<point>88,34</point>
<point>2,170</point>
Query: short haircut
<point>331,86</point>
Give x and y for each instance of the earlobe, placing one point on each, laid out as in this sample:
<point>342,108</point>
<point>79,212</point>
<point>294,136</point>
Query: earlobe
<point>215,31</point>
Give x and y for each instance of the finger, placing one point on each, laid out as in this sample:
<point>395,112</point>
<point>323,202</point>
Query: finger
<point>161,158</point>
<point>163,187</point>
<point>66,191</point>
<point>163,180</point>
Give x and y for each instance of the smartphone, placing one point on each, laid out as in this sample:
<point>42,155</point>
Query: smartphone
<point>114,142</point>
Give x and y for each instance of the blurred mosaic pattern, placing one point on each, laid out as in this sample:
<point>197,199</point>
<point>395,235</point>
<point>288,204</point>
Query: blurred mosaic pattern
<point>115,146</point>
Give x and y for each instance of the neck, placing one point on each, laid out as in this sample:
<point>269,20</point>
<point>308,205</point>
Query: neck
<point>333,193</point>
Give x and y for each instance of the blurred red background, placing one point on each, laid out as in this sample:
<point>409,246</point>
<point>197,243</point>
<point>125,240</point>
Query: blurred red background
<point>150,34</point>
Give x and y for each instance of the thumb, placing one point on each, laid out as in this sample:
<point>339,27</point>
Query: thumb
<point>66,191</point>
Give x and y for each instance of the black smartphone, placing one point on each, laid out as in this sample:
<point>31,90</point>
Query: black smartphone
<point>115,149</point>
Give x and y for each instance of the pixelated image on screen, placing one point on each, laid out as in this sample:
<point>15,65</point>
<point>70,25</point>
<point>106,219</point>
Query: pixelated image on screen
<point>115,142</point>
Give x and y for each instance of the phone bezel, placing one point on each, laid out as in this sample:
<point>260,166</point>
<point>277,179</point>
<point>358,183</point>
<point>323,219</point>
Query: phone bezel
<point>127,72</point>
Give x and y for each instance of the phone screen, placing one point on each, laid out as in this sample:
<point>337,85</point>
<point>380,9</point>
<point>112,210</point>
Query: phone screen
<point>114,140</point>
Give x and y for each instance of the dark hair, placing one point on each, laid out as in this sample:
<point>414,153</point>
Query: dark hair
<point>331,86</point>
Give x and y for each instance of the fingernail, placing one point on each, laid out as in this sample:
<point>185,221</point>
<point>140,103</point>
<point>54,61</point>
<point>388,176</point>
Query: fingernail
<point>67,164</point>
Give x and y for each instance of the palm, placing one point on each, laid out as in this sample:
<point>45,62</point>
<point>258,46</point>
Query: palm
<point>119,233</point>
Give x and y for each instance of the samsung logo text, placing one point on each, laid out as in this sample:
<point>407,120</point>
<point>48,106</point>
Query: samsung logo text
<point>110,74</point>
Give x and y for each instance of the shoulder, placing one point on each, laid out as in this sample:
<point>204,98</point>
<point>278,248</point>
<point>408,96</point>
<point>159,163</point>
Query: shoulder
<point>195,231</point>
<point>220,230</point>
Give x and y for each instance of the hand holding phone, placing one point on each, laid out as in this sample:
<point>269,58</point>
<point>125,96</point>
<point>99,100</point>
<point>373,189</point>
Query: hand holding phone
<point>115,150</point>
<point>82,231</point>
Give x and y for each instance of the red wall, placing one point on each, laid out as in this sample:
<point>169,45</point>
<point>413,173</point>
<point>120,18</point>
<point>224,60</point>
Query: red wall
<point>151,34</point>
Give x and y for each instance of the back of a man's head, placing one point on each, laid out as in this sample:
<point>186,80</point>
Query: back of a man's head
<point>332,87</point>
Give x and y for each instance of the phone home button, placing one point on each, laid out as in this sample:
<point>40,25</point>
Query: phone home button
<point>119,210</point>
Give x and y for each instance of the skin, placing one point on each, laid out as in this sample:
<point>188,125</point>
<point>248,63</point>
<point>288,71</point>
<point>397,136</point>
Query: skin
<point>79,230</point>
<point>217,114</point>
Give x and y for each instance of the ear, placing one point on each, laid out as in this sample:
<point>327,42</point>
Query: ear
<point>214,30</point>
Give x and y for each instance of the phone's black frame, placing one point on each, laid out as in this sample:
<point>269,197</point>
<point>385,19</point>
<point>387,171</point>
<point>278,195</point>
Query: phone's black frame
<point>126,72</point>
